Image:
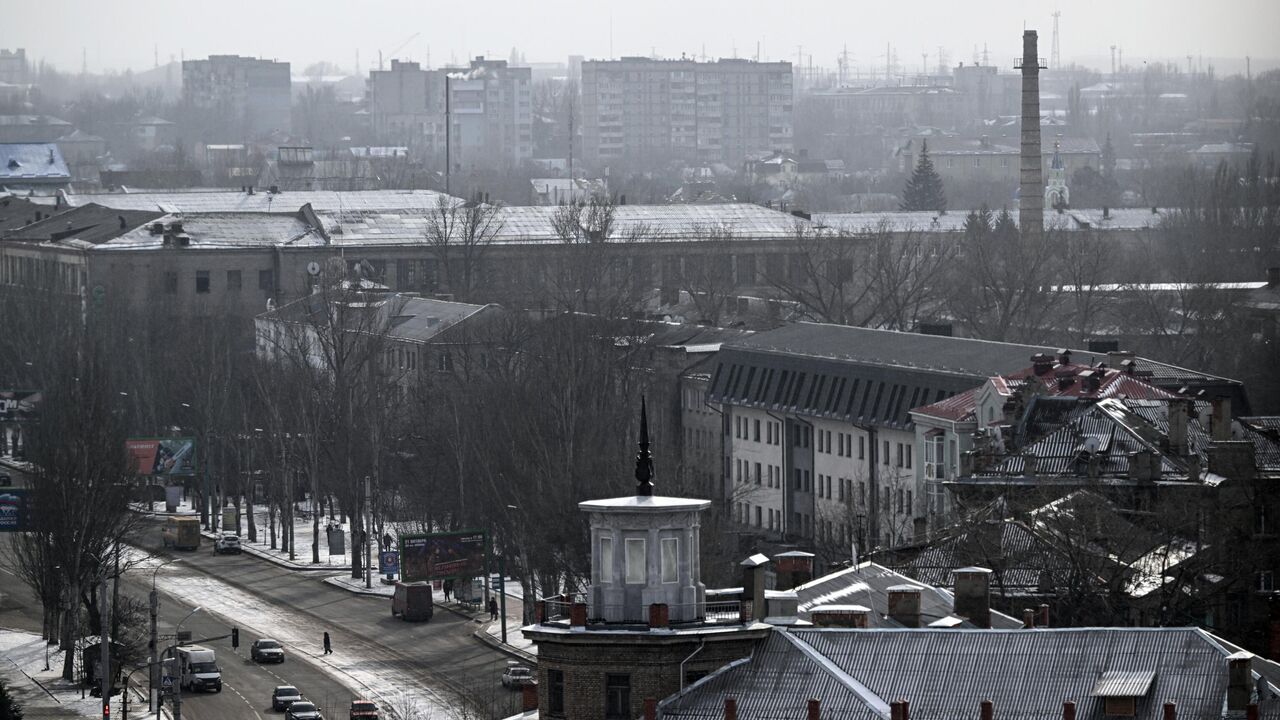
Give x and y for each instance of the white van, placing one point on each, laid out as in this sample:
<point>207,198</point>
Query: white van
<point>198,669</point>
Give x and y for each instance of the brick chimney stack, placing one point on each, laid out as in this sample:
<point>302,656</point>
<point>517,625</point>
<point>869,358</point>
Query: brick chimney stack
<point>973,595</point>
<point>1239,681</point>
<point>1031,177</point>
<point>904,605</point>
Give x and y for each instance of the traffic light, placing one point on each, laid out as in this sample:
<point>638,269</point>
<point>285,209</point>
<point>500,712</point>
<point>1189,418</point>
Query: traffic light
<point>235,638</point>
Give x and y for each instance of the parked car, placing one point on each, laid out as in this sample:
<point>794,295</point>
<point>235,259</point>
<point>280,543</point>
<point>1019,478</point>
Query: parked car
<point>517,676</point>
<point>303,710</point>
<point>284,696</point>
<point>227,544</point>
<point>362,709</point>
<point>266,650</point>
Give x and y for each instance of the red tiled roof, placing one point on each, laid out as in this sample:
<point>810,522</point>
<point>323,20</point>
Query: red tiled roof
<point>1114,383</point>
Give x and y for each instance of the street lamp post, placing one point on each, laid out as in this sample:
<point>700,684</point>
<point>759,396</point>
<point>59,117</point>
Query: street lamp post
<point>154,598</point>
<point>177,690</point>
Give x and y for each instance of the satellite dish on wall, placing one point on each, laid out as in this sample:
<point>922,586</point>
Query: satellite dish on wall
<point>313,268</point>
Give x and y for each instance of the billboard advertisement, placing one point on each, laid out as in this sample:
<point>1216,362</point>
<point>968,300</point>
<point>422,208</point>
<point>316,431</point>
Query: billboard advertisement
<point>389,562</point>
<point>162,456</point>
<point>13,511</point>
<point>20,405</point>
<point>442,555</point>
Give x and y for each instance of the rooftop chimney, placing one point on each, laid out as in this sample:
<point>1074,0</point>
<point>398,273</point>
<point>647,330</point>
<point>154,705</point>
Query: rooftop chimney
<point>1220,424</point>
<point>753,569</point>
<point>1170,711</point>
<point>1064,356</point>
<point>904,605</point>
<point>845,616</point>
<point>730,708</point>
<point>1239,681</point>
<point>1028,619</point>
<point>1041,363</point>
<point>650,709</point>
<point>973,595</point>
<point>793,568</point>
<point>1178,412</point>
<point>1031,193</point>
<point>815,709</point>
<point>988,710</point>
<point>1068,710</point>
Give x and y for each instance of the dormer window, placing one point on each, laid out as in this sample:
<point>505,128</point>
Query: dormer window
<point>1121,690</point>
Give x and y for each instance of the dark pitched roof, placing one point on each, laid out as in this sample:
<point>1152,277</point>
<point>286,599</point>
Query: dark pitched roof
<point>857,374</point>
<point>946,674</point>
<point>88,223</point>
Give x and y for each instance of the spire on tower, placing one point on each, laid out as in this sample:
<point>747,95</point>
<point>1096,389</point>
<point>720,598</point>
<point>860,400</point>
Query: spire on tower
<point>644,461</point>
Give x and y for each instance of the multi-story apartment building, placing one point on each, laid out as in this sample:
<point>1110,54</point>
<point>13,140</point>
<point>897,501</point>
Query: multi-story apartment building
<point>647,111</point>
<point>406,106</point>
<point>490,108</point>
<point>247,97</point>
<point>13,66</point>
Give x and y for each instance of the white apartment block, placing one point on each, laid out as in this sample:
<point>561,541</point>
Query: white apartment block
<point>646,111</point>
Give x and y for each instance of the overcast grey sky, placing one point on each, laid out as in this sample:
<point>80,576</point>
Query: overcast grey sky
<point>117,34</point>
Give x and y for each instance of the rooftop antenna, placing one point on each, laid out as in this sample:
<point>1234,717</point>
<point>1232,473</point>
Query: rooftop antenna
<point>644,461</point>
<point>1113,61</point>
<point>1055,58</point>
<point>986,56</point>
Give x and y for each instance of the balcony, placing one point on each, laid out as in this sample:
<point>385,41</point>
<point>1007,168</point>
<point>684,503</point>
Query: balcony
<point>573,610</point>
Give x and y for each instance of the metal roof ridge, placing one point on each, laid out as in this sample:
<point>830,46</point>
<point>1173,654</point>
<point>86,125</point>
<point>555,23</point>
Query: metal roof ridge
<point>874,702</point>
<point>704,680</point>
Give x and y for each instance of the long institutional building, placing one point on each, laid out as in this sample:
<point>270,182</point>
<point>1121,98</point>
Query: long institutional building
<point>643,110</point>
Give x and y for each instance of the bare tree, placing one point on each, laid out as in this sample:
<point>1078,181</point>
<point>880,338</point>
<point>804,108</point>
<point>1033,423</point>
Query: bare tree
<point>459,235</point>
<point>707,271</point>
<point>593,271</point>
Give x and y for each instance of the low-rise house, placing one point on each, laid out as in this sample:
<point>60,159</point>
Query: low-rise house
<point>33,168</point>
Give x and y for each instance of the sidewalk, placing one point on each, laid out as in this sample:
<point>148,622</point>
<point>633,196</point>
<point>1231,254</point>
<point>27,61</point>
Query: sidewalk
<point>489,632</point>
<point>44,694</point>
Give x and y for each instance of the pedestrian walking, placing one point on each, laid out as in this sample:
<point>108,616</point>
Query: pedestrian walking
<point>448,589</point>
<point>493,608</point>
<point>328,647</point>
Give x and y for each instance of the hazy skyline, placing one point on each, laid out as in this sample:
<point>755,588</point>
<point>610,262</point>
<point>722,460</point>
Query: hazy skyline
<point>116,36</point>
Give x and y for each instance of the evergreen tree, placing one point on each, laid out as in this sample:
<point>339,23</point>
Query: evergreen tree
<point>9,708</point>
<point>924,187</point>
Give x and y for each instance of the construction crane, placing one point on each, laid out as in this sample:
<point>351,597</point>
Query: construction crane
<point>398,48</point>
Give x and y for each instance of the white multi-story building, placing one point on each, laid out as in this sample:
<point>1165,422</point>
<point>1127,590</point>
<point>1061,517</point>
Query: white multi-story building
<point>820,445</point>
<point>649,111</point>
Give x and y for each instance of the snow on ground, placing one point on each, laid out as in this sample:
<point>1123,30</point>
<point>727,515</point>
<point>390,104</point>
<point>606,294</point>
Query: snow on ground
<point>43,693</point>
<point>298,631</point>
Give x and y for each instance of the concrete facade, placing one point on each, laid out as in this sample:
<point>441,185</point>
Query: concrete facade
<point>651,111</point>
<point>251,96</point>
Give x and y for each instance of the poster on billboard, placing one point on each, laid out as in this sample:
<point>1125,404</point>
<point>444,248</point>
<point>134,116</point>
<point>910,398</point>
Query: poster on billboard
<point>162,456</point>
<point>442,555</point>
<point>389,562</point>
<point>14,511</point>
<point>20,405</point>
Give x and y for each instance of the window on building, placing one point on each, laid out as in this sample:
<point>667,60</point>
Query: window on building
<point>670,560</point>
<point>634,561</point>
<point>757,469</point>
<point>759,522</point>
<point>202,282</point>
<point>233,281</point>
<point>900,455</point>
<point>1266,581</point>
<point>885,459</point>
<point>267,280</point>
<point>171,283</point>
<point>606,560</point>
<point>862,448</point>
<point>799,480</point>
<point>555,691</point>
<point>908,453</point>
<point>756,436</point>
<point>899,501</point>
<point>909,508</point>
<point>617,696</point>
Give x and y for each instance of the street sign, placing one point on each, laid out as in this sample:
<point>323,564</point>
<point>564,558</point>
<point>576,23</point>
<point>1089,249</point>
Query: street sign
<point>166,684</point>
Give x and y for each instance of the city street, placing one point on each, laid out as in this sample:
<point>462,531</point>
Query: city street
<point>419,670</point>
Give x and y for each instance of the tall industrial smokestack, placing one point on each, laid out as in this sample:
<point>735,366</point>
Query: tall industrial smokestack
<point>1031,177</point>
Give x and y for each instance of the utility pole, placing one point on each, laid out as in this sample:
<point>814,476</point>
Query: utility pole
<point>448,124</point>
<point>368,508</point>
<point>153,656</point>
<point>1113,62</point>
<point>104,667</point>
